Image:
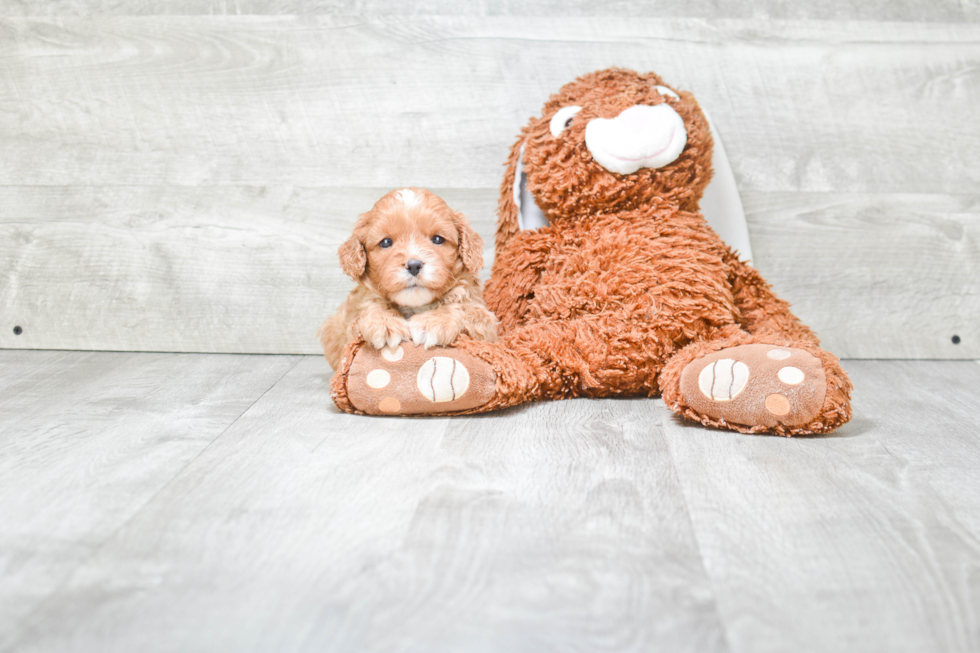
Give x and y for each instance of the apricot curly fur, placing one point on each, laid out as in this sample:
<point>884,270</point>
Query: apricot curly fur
<point>628,283</point>
<point>430,306</point>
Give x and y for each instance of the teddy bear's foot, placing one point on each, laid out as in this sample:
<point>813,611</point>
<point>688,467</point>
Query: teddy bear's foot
<point>757,388</point>
<point>411,380</point>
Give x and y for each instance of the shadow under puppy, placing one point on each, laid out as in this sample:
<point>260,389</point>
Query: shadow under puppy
<point>416,263</point>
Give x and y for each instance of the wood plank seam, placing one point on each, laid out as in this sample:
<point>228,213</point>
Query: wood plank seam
<point>66,579</point>
<point>666,415</point>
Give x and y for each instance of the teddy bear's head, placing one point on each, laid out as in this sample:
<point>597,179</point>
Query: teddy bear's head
<point>610,141</point>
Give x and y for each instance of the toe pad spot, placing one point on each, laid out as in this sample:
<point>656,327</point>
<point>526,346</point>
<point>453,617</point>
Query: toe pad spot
<point>442,379</point>
<point>389,405</point>
<point>777,404</point>
<point>378,379</point>
<point>723,379</point>
<point>791,375</point>
<point>393,354</point>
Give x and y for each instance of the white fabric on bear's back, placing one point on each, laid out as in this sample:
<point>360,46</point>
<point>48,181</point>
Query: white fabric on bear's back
<point>721,204</point>
<point>529,214</point>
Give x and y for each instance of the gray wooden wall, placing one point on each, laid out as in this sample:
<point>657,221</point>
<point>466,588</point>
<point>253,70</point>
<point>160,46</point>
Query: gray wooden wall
<point>176,175</point>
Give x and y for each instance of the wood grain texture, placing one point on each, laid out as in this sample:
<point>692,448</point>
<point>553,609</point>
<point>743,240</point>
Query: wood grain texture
<point>180,183</point>
<point>877,276</point>
<point>436,101</point>
<point>880,10</point>
<point>243,269</point>
<point>88,440</point>
<point>176,502</point>
<point>555,528</point>
<point>867,540</point>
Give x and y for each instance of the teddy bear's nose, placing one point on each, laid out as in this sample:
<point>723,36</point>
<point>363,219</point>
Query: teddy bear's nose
<point>641,136</point>
<point>414,266</point>
<point>634,118</point>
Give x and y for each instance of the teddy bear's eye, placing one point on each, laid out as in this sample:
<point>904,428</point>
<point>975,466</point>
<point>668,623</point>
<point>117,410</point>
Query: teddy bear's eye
<point>663,90</point>
<point>438,240</point>
<point>386,243</point>
<point>563,119</point>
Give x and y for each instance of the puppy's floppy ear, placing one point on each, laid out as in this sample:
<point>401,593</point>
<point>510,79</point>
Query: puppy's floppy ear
<point>470,244</point>
<point>353,258</point>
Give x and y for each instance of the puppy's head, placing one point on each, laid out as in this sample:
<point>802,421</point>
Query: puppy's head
<point>411,248</point>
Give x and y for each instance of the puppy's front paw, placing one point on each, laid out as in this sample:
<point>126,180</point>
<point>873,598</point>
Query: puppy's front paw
<point>423,338</point>
<point>432,330</point>
<point>384,330</point>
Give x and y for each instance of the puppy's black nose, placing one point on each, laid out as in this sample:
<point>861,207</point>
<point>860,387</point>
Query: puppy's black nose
<point>414,266</point>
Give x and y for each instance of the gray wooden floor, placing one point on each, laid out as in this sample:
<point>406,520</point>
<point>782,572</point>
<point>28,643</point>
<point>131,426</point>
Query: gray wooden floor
<point>179,502</point>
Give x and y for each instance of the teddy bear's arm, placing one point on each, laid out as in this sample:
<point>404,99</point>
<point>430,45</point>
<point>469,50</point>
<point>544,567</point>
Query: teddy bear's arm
<point>759,308</point>
<point>517,269</point>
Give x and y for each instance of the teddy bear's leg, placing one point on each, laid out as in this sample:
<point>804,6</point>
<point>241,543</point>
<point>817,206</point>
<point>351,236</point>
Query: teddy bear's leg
<point>758,384</point>
<point>760,310</point>
<point>468,377</point>
<point>542,361</point>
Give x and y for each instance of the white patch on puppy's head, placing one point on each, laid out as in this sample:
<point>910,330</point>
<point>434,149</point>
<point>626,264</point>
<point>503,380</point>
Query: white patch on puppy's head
<point>415,248</point>
<point>409,198</point>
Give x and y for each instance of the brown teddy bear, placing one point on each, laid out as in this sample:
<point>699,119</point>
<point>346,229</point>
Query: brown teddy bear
<point>608,282</point>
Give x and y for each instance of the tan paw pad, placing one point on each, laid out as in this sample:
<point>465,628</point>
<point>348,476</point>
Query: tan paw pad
<point>411,380</point>
<point>756,385</point>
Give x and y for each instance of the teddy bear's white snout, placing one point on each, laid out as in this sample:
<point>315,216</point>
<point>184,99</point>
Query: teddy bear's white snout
<point>642,136</point>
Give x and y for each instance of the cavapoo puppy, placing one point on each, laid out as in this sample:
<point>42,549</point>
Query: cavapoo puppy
<point>416,263</point>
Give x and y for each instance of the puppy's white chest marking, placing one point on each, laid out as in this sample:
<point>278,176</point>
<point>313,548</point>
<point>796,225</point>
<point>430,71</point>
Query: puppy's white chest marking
<point>409,311</point>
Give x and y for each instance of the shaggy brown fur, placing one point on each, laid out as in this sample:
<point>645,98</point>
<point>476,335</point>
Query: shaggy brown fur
<point>628,284</point>
<point>390,304</point>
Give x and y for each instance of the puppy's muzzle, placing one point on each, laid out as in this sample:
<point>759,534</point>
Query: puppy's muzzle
<point>414,266</point>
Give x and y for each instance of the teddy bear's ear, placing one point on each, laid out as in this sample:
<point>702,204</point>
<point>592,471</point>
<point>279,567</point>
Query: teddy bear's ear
<point>353,258</point>
<point>470,244</point>
<point>507,208</point>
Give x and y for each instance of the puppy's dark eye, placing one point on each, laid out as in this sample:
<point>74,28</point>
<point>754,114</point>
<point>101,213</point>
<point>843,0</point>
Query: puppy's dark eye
<point>385,243</point>
<point>438,240</point>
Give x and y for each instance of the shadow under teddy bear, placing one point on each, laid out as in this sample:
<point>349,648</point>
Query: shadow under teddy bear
<point>608,282</point>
